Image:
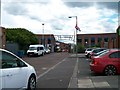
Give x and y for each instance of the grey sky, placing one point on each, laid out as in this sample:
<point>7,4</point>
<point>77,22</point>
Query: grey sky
<point>109,5</point>
<point>15,9</point>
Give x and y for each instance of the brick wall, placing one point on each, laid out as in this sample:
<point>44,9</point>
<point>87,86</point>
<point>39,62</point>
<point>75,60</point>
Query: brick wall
<point>49,40</point>
<point>2,37</point>
<point>107,40</point>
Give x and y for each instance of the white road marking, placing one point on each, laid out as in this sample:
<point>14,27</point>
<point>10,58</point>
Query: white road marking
<point>101,85</point>
<point>50,69</point>
<point>74,76</point>
<point>85,83</point>
<point>88,83</point>
<point>44,68</point>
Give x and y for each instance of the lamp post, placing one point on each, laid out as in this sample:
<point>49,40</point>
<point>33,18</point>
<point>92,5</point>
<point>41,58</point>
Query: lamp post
<point>75,30</point>
<point>86,44</point>
<point>43,39</point>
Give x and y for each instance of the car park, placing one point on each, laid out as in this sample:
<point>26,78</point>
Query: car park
<point>16,73</point>
<point>107,63</point>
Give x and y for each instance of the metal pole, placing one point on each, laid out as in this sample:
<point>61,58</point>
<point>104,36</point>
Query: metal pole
<point>76,26</point>
<point>43,40</point>
<point>74,42</point>
<point>76,36</point>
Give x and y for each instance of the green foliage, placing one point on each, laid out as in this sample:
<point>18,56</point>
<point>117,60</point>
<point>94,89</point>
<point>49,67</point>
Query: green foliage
<point>21,36</point>
<point>80,48</point>
<point>98,45</point>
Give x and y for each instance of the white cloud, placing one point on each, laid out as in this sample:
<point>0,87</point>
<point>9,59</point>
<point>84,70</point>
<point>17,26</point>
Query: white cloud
<point>54,14</point>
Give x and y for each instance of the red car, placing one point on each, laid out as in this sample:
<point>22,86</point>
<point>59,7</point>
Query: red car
<point>107,63</point>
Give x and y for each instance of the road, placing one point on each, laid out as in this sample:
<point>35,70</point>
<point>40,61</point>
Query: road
<point>43,63</point>
<point>64,70</point>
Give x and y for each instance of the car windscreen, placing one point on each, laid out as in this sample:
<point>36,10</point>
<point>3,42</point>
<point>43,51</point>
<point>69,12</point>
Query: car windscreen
<point>103,53</point>
<point>97,50</point>
<point>41,48</point>
<point>89,49</point>
<point>32,48</point>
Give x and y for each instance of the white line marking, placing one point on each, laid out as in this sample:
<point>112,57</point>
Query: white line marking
<point>50,69</point>
<point>88,83</point>
<point>101,84</point>
<point>44,68</point>
<point>85,83</point>
<point>74,73</point>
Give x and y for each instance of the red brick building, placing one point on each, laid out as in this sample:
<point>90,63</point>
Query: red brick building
<point>48,40</point>
<point>106,40</point>
<point>63,46</point>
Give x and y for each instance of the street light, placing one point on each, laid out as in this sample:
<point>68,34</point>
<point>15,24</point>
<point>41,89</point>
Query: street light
<point>86,44</point>
<point>77,28</point>
<point>43,39</point>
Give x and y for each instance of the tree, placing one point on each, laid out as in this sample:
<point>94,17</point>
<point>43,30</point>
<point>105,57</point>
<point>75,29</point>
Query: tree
<point>21,36</point>
<point>80,48</point>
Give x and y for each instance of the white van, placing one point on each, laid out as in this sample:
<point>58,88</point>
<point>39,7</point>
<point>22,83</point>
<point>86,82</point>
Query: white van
<point>35,50</point>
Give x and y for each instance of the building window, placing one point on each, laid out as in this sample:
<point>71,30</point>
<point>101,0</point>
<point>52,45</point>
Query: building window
<point>113,38</point>
<point>86,39</point>
<point>49,41</point>
<point>79,40</point>
<point>86,42</point>
<point>92,41</point>
<point>99,39</point>
<point>106,39</point>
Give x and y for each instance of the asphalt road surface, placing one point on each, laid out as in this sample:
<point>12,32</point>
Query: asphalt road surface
<point>64,70</point>
<point>58,76</point>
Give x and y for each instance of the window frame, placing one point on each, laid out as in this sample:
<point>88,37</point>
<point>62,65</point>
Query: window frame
<point>12,61</point>
<point>110,56</point>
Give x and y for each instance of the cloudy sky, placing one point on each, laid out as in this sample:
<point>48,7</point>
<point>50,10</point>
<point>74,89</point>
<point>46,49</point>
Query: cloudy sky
<point>93,16</point>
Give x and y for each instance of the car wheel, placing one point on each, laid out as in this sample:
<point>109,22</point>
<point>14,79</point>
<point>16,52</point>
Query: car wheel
<point>28,55</point>
<point>42,54</point>
<point>110,70</point>
<point>32,83</point>
<point>37,54</point>
<point>88,55</point>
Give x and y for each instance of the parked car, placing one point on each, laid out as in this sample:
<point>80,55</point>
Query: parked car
<point>36,50</point>
<point>88,51</point>
<point>107,63</point>
<point>95,51</point>
<point>47,51</point>
<point>16,73</point>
